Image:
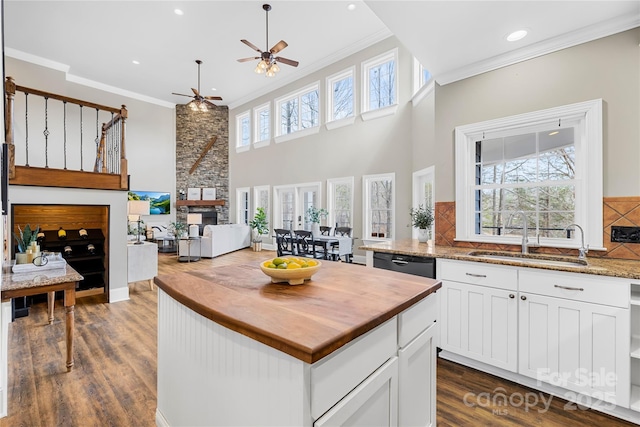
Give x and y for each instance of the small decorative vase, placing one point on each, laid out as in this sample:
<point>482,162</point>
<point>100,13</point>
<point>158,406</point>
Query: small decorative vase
<point>315,229</point>
<point>257,246</point>
<point>423,235</point>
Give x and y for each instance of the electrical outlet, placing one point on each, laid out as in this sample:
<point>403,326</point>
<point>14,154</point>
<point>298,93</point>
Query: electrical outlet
<point>625,234</point>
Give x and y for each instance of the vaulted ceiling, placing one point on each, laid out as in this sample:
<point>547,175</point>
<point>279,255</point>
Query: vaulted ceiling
<point>96,42</point>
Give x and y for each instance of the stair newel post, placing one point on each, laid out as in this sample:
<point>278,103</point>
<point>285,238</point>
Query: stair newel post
<point>10,91</point>
<point>124,181</point>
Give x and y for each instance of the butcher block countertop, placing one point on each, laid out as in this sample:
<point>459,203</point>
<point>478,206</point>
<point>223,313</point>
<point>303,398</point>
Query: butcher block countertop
<point>623,268</point>
<point>341,302</point>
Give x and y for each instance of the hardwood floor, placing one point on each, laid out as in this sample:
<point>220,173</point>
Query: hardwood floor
<point>113,382</point>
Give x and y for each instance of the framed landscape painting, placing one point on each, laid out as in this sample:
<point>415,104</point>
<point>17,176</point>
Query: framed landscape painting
<point>160,203</point>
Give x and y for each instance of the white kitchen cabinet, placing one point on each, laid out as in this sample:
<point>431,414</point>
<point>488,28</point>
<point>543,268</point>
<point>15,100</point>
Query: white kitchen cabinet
<point>479,321</point>
<point>374,402</point>
<point>575,345</point>
<point>417,373</point>
<point>634,403</point>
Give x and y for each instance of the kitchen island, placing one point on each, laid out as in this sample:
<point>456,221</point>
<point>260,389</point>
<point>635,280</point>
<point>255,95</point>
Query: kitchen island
<point>352,344</point>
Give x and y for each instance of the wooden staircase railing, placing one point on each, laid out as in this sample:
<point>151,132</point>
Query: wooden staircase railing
<point>110,166</point>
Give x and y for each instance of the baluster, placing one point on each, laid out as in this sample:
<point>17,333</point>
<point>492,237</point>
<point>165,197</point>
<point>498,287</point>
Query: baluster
<point>46,132</point>
<point>26,128</point>
<point>81,162</point>
<point>64,138</point>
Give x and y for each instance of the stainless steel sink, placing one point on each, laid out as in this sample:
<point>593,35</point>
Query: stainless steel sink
<point>531,259</point>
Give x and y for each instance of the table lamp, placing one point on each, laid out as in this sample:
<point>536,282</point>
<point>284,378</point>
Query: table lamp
<point>135,209</point>
<point>194,220</point>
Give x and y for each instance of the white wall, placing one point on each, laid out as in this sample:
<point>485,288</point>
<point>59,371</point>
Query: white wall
<point>150,151</point>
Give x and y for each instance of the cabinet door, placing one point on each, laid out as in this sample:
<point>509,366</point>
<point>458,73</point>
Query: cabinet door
<point>417,381</point>
<point>575,345</point>
<point>480,323</point>
<point>374,402</point>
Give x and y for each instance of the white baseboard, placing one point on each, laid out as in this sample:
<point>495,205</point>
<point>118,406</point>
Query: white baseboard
<point>161,421</point>
<point>119,294</point>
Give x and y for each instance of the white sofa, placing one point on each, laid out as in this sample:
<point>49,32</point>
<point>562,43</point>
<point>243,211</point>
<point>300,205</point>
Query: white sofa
<point>221,239</point>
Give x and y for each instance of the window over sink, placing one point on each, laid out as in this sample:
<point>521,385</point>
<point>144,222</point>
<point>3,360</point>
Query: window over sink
<point>547,164</point>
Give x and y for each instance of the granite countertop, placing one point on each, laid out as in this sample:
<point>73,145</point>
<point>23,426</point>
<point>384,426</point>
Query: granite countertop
<point>628,269</point>
<point>340,303</point>
<point>13,281</point>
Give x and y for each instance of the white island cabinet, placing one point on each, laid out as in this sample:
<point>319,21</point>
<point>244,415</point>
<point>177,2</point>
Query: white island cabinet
<point>212,373</point>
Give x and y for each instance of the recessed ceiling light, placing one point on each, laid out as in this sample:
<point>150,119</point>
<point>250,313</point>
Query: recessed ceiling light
<point>351,6</point>
<point>178,12</point>
<point>213,88</point>
<point>517,35</point>
<point>136,62</point>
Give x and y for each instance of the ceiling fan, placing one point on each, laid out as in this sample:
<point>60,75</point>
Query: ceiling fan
<point>197,98</point>
<point>268,62</point>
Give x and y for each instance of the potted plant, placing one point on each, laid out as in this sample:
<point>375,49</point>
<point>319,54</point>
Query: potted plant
<point>422,219</point>
<point>314,215</point>
<point>24,238</point>
<point>259,226</point>
<point>178,229</point>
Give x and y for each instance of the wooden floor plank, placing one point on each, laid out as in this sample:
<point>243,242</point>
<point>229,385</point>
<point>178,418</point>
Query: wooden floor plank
<point>113,382</point>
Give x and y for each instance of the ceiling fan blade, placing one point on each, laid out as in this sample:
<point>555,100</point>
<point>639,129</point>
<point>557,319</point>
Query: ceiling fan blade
<point>287,61</point>
<point>211,103</point>
<point>195,91</point>
<point>251,45</point>
<point>214,98</point>
<point>181,94</point>
<point>248,59</point>
<point>278,46</point>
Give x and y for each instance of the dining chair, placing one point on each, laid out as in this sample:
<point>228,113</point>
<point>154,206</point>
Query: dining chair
<point>325,230</point>
<point>284,241</point>
<point>306,244</point>
<point>335,247</point>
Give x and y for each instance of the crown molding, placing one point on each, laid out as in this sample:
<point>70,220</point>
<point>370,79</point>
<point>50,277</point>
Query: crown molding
<point>574,38</point>
<point>44,62</point>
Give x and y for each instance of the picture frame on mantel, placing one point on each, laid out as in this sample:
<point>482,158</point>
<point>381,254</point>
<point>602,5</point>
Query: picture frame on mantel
<point>208,194</point>
<point>193,194</point>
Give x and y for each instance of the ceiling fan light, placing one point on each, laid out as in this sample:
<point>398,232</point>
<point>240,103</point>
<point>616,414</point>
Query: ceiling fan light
<point>275,67</point>
<point>263,64</point>
<point>270,73</point>
<point>193,106</point>
<point>258,70</point>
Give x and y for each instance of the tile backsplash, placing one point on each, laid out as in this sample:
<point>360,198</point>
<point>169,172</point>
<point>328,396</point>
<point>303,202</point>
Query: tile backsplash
<point>618,211</point>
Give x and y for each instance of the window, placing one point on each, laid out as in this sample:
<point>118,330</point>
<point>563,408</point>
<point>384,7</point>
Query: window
<point>340,202</point>
<point>547,164</point>
<point>379,206</point>
<point>242,205</point>
<point>261,200</point>
<point>421,76</point>
<point>380,84</point>
<point>262,130</point>
<point>341,97</point>
<point>243,131</point>
<point>423,192</point>
<point>299,112</point>
<point>291,203</point>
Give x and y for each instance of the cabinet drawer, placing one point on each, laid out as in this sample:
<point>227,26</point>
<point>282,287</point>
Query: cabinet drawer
<point>575,286</point>
<point>337,374</point>
<point>416,319</point>
<point>479,274</point>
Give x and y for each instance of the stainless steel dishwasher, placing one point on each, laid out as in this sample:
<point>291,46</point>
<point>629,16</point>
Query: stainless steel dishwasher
<point>410,264</point>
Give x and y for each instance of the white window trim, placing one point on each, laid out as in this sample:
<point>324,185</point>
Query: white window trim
<point>279,137</point>
<point>331,183</point>
<point>430,175</point>
<point>256,125</point>
<point>588,180</point>
<point>365,206</point>
<point>373,62</point>
<point>347,121</point>
<point>239,209</point>
<point>256,199</point>
<point>239,118</point>
<point>349,72</point>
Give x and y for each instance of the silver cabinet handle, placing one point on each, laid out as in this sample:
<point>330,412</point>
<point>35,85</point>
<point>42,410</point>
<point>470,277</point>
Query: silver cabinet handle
<point>569,288</point>
<point>476,275</point>
<point>512,296</point>
<point>396,261</point>
<point>523,297</point>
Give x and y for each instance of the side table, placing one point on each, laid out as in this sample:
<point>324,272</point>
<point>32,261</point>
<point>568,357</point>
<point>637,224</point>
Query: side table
<point>166,244</point>
<point>188,242</point>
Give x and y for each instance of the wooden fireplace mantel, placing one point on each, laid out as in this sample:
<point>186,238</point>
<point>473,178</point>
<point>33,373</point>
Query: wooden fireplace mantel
<point>200,203</point>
